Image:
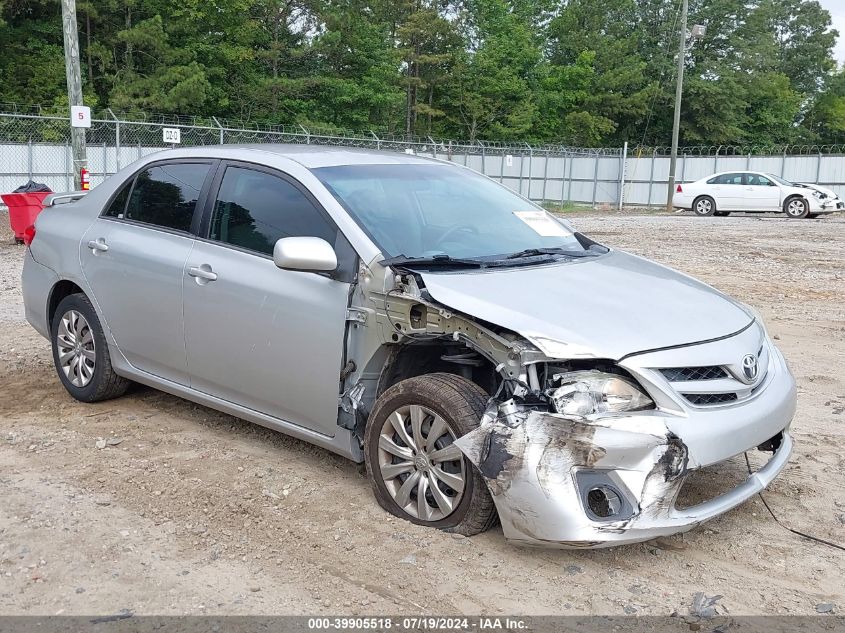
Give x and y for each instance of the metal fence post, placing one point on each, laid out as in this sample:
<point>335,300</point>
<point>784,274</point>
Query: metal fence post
<point>683,167</point>
<point>622,174</point>
<point>307,135</point>
<point>651,175</point>
<point>68,168</point>
<point>569,178</point>
<point>530,163</point>
<point>545,173</point>
<point>29,156</point>
<point>217,123</point>
<point>116,139</point>
<point>378,140</point>
<point>483,158</point>
<point>783,162</point>
<point>105,159</point>
<point>433,147</point>
<point>595,178</point>
<point>818,167</point>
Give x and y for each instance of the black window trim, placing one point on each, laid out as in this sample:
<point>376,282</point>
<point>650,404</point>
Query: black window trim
<point>202,199</point>
<point>211,200</point>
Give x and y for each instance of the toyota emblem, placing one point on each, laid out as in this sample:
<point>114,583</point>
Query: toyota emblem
<point>749,367</point>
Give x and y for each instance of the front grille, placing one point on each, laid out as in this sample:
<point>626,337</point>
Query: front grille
<point>685,374</point>
<point>704,399</point>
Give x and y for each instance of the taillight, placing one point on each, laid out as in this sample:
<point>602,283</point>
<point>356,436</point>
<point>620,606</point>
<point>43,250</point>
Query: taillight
<point>679,189</point>
<point>29,234</point>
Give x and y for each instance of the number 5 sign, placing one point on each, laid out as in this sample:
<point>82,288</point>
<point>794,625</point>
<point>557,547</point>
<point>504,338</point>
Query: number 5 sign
<point>80,116</point>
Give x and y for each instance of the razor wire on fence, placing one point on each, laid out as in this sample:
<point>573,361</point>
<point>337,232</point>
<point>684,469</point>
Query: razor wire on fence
<point>36,145</point>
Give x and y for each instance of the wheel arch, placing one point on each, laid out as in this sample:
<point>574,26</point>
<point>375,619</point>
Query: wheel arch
<point>61,289</point>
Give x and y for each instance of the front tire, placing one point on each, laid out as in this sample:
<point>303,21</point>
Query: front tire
<point>81,353</point>
<point>415,470</point>
<point>704,206</point>
<point>796,208</point>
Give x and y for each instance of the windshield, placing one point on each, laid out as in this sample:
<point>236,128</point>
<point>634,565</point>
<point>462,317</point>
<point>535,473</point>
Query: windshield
<point>439,211</point>
<point>780,180</point>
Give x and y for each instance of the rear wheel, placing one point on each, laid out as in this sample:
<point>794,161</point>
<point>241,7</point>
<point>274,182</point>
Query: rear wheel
<point>796,208</point>
<point>704,206</point>
<point>81,353</point>
<point>416,471</point>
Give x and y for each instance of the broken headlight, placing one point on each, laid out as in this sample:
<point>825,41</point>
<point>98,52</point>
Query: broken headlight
<point>585,392</point>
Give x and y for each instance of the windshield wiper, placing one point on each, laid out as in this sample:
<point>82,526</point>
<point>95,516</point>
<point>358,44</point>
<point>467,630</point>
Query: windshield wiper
<point>536,252</point>
<point>444,261</point>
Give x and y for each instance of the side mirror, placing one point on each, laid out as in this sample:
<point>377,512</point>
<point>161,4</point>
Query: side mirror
<point>304,253</point>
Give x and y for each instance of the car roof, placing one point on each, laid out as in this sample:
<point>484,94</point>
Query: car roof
<point>310,156</point>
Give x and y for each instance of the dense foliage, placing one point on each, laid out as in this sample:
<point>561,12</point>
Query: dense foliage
<point>573,71</point>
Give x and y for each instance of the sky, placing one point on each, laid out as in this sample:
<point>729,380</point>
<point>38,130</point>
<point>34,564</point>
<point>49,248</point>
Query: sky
<point>837,14</point>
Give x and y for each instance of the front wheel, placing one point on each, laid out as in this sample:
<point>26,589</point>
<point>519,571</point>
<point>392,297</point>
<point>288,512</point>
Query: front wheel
<point>796,208</point>
<point>704,206</point>
<point>416,471</point>
<point>81,353</point>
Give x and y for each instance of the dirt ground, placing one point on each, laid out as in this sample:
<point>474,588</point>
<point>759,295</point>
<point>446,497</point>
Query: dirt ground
<point>189,511</point>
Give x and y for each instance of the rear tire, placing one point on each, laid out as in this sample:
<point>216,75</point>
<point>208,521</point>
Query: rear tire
<point>81,352</point>
<point>796,208</point>
<point>408,434</point>
<point>704,206</point>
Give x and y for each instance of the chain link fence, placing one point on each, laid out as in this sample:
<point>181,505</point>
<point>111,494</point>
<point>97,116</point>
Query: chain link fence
<point>35,145</point>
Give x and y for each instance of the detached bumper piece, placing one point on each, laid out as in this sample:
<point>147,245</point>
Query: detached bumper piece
<point>580,483</point>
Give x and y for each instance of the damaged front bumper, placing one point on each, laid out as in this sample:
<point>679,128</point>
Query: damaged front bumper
<point>541,467</point>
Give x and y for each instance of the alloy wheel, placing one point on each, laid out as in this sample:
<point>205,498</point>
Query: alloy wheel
<point>703,207</point>
<point>795,207</point>
<point>419,464</point>
<point>75,343</point>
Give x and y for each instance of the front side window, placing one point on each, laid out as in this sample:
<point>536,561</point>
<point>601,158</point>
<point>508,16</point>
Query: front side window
<point>166,195</point>
<point>425,211</point>
<point>255,209</point>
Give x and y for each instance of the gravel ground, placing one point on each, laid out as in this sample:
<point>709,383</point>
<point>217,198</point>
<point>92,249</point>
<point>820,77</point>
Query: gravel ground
<point>189,511</point>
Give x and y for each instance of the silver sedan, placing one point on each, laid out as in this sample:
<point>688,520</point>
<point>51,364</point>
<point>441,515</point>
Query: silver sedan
<point>482,357</point>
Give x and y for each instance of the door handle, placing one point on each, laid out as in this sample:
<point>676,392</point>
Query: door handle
<point>98,245</point>
<point>202,272</point>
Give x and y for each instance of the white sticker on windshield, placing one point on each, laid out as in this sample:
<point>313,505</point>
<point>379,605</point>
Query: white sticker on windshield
<point>542,223</point>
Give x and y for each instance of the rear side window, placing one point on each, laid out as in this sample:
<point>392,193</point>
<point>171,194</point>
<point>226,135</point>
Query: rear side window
<point>118,205</point>
<point>254,209</point>
<point>726,179</point>
<point>166,195</point>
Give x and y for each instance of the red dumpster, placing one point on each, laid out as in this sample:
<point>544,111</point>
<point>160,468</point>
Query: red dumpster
<point>23,209</point>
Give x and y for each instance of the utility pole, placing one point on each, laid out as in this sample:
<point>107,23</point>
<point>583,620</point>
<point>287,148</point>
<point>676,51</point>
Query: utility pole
<point>679,88</point>
<point>74,86</point>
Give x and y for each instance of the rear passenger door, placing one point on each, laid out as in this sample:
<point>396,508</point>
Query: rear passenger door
<point>133,257</point>
<point>267,339</point>
<point>727,190</point>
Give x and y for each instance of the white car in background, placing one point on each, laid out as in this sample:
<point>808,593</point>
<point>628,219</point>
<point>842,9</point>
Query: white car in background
<point>754,191</point>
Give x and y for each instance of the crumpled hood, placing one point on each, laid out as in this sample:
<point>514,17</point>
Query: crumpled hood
<point>604,307</point>
<point>830,193</point>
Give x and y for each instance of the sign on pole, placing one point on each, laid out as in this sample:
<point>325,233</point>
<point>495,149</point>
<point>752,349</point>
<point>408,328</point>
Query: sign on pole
<point>80,116</point>
<point>172,135</point>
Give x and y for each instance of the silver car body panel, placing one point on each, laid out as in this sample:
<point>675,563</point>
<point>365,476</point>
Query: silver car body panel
<point>593,308</point>
<point>615,307</point>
